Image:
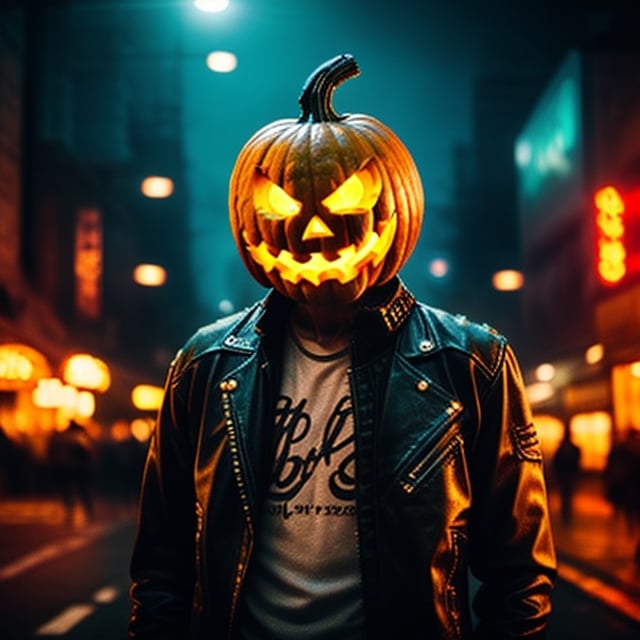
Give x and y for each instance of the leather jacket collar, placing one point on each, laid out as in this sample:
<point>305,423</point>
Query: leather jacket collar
<point>381,311</point>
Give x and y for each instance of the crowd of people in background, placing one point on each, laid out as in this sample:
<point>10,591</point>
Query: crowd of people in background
<point>566,468</point>
<point>620,480</point>
<point>76,470</point>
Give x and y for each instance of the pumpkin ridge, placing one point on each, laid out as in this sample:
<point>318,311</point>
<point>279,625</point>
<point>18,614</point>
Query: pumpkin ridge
<point>302,138</point>
<point>387,144</point>
<point>254,158</point>
<point>407,173</point>
<point>372,143</point>
<point>366,151</point>
<point>347,163</point>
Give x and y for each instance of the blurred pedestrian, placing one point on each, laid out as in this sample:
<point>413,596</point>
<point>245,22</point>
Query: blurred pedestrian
<point>566,467</point>
<point>621,478</point>
<point>123,461</point>
<point>6,452</point>
<point>13,465</point>
<point>633,478</point>
<point>71,456</point>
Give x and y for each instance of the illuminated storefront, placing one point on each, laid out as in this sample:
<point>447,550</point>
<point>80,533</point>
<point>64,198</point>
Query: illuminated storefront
<point>577,160</point>
<point>21,366</point>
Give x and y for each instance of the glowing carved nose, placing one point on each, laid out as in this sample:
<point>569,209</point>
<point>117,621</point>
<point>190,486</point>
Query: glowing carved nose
<point>316,229</point>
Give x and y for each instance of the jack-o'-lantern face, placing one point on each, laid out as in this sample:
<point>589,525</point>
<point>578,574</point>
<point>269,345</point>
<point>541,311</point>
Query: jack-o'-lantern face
<point>323,210</point>
<point>336,240</point>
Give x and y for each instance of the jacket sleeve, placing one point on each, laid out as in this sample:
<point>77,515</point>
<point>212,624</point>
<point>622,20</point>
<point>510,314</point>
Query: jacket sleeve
<point>511,545</point>
<point>162,563</point>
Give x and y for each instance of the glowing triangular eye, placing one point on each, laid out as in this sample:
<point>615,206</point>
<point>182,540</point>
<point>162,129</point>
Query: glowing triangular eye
<point>357,194</point>
<point>272,201</point>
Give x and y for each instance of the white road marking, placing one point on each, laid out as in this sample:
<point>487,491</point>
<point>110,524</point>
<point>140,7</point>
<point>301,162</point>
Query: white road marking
<point>65,621</point>
<point>53,550</point>
<point>76,613</point>
<point>41,555</point>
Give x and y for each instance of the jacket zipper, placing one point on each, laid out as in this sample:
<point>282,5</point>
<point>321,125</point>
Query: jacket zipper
<point>361,578</point>
<point>227,386</point>
<point>199,555</point>
<point>432,459</point>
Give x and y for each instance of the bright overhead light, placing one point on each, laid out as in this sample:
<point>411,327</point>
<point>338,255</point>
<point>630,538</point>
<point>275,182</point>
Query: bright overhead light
<point>594,354</point>
<point>147,397</point>
<point>438,267</point>
<point>157,187</point>
<point>211,6</point>
<point>150,275</point>
<point>225,306</point>
<point>539,392</point>
<point>545,372</point>
<point>507,280</point>
<point>85,371</point>
<point>222,61</point>
<point>141,429</point>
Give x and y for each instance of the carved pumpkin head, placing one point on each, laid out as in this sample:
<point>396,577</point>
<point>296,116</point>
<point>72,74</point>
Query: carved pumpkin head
<point>327,206</point>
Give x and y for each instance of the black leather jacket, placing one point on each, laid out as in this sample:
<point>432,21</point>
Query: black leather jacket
<point>449,479</point>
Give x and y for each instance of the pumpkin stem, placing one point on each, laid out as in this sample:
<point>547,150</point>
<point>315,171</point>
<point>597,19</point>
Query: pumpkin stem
<point>317,92</point>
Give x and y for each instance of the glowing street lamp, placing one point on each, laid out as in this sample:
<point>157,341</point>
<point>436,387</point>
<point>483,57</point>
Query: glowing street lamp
<point>222,61</point>
<point>594,353</point>
<point>438,267</point>
<point>51,393</point>
<point>507,280</point>
<point>157,187</point>
<point>545,372</point>
<point>141,429</point>
<point>86,372</point>
<point>150,275</point>
<point>48,393</point>
<point>211,6</point>
<point>85,405</point>
<point>147,397</point>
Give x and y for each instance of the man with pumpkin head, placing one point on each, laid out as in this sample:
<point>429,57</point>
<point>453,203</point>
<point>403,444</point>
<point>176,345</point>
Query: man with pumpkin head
<point>338,459</point>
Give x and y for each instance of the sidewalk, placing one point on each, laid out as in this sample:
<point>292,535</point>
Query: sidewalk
<point>596,550</point>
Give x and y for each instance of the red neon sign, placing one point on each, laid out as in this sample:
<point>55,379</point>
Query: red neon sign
<point>618,234</point>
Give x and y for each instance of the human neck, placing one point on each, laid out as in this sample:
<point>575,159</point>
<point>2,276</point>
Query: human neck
<point>330,327</point>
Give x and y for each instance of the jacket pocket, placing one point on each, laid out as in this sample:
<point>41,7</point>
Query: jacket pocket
<point>430,457</point>
<point>419,417</point>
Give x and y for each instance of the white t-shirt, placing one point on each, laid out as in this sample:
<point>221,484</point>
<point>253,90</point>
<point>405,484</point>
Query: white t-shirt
<point>305,579</point>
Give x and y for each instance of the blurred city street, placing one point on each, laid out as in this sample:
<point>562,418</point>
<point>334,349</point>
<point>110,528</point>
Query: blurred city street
<point>598,590</point>
<point>71,580</point>
<point>120,127</point>
<point>64,580</point>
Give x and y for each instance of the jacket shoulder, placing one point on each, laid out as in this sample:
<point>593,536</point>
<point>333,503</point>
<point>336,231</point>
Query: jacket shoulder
<point>211,338</point>
<point>479,341</point>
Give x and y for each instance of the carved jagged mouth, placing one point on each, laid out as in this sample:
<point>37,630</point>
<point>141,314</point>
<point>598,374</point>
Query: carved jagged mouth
<point>350,261</point>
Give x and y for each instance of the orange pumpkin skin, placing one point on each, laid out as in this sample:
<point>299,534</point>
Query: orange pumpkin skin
<point>336,257</point>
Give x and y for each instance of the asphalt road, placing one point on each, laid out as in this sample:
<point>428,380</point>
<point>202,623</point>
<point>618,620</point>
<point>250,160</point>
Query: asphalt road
<point>56,581</point>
